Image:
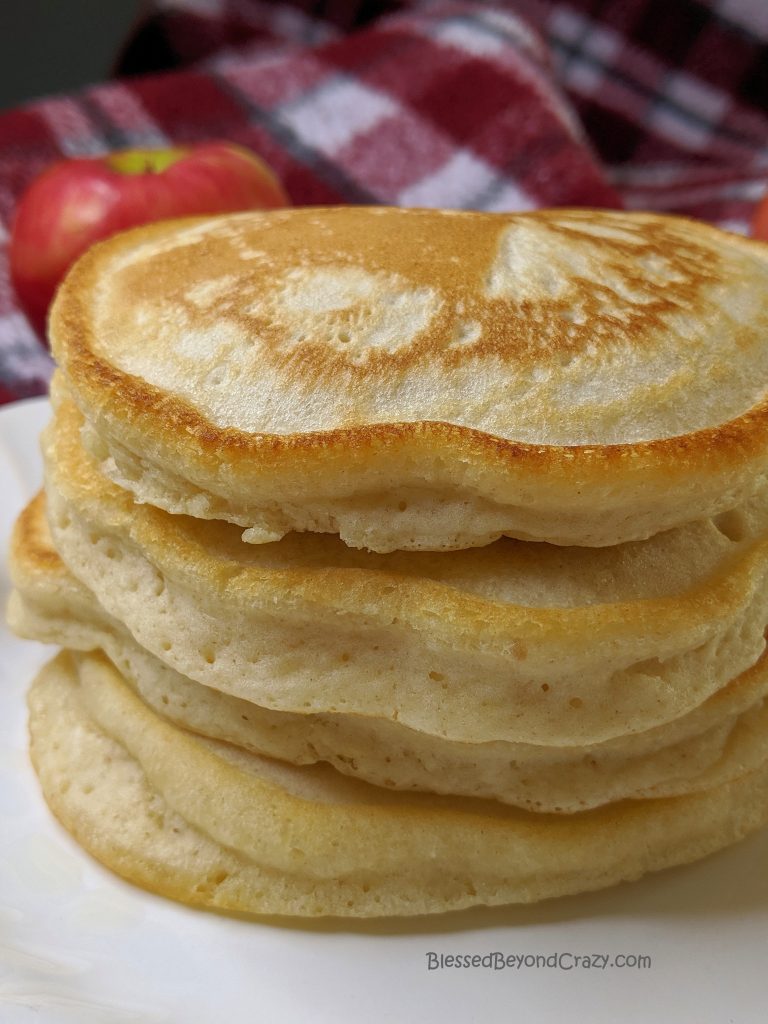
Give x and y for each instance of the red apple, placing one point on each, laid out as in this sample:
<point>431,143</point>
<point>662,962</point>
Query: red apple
<point>760,220</point>
<point>74,203</point>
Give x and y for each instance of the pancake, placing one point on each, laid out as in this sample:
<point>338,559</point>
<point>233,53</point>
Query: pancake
<point>205,823</point>
<point>413,379</point>
<point>719,741</point>
<point>515,642</point>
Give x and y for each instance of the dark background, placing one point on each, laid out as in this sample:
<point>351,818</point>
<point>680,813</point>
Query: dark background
<point>49,46</point>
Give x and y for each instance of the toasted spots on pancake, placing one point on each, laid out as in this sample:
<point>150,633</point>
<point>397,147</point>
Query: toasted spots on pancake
<point>607,386</point>
<point>606,318</point>
<point>465,332</point>
<point>203,293</point>
<point>31,540</point>
<point>345,309</point>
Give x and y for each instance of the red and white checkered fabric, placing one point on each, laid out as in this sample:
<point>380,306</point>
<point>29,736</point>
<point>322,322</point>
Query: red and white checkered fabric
<point>651,104</point>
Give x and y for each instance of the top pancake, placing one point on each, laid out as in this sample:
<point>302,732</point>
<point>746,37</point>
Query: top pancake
<point>425,379</point>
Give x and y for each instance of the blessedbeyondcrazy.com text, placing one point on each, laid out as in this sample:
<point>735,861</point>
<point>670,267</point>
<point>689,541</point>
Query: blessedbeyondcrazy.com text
<point>563,961</point>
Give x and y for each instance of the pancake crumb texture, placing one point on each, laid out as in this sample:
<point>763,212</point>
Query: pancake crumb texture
<point>514,642</point>
<point>264,838</point>
<point>714,743</point>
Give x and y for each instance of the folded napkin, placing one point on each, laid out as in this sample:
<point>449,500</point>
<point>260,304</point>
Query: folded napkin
<point>496,106</point>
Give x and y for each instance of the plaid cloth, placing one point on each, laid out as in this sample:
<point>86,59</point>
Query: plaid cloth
<point>647,104</point>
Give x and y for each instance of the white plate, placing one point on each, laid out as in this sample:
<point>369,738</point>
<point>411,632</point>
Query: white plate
<point>79,946</point>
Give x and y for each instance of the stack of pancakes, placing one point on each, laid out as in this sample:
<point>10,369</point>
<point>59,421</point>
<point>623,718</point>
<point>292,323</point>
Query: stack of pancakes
<point>403,560</point>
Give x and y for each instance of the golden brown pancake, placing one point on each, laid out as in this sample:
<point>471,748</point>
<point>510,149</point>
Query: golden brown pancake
<point>518,642</point>
<point>716,743</point>
<point>205,823</point>
<point>414,379</point>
